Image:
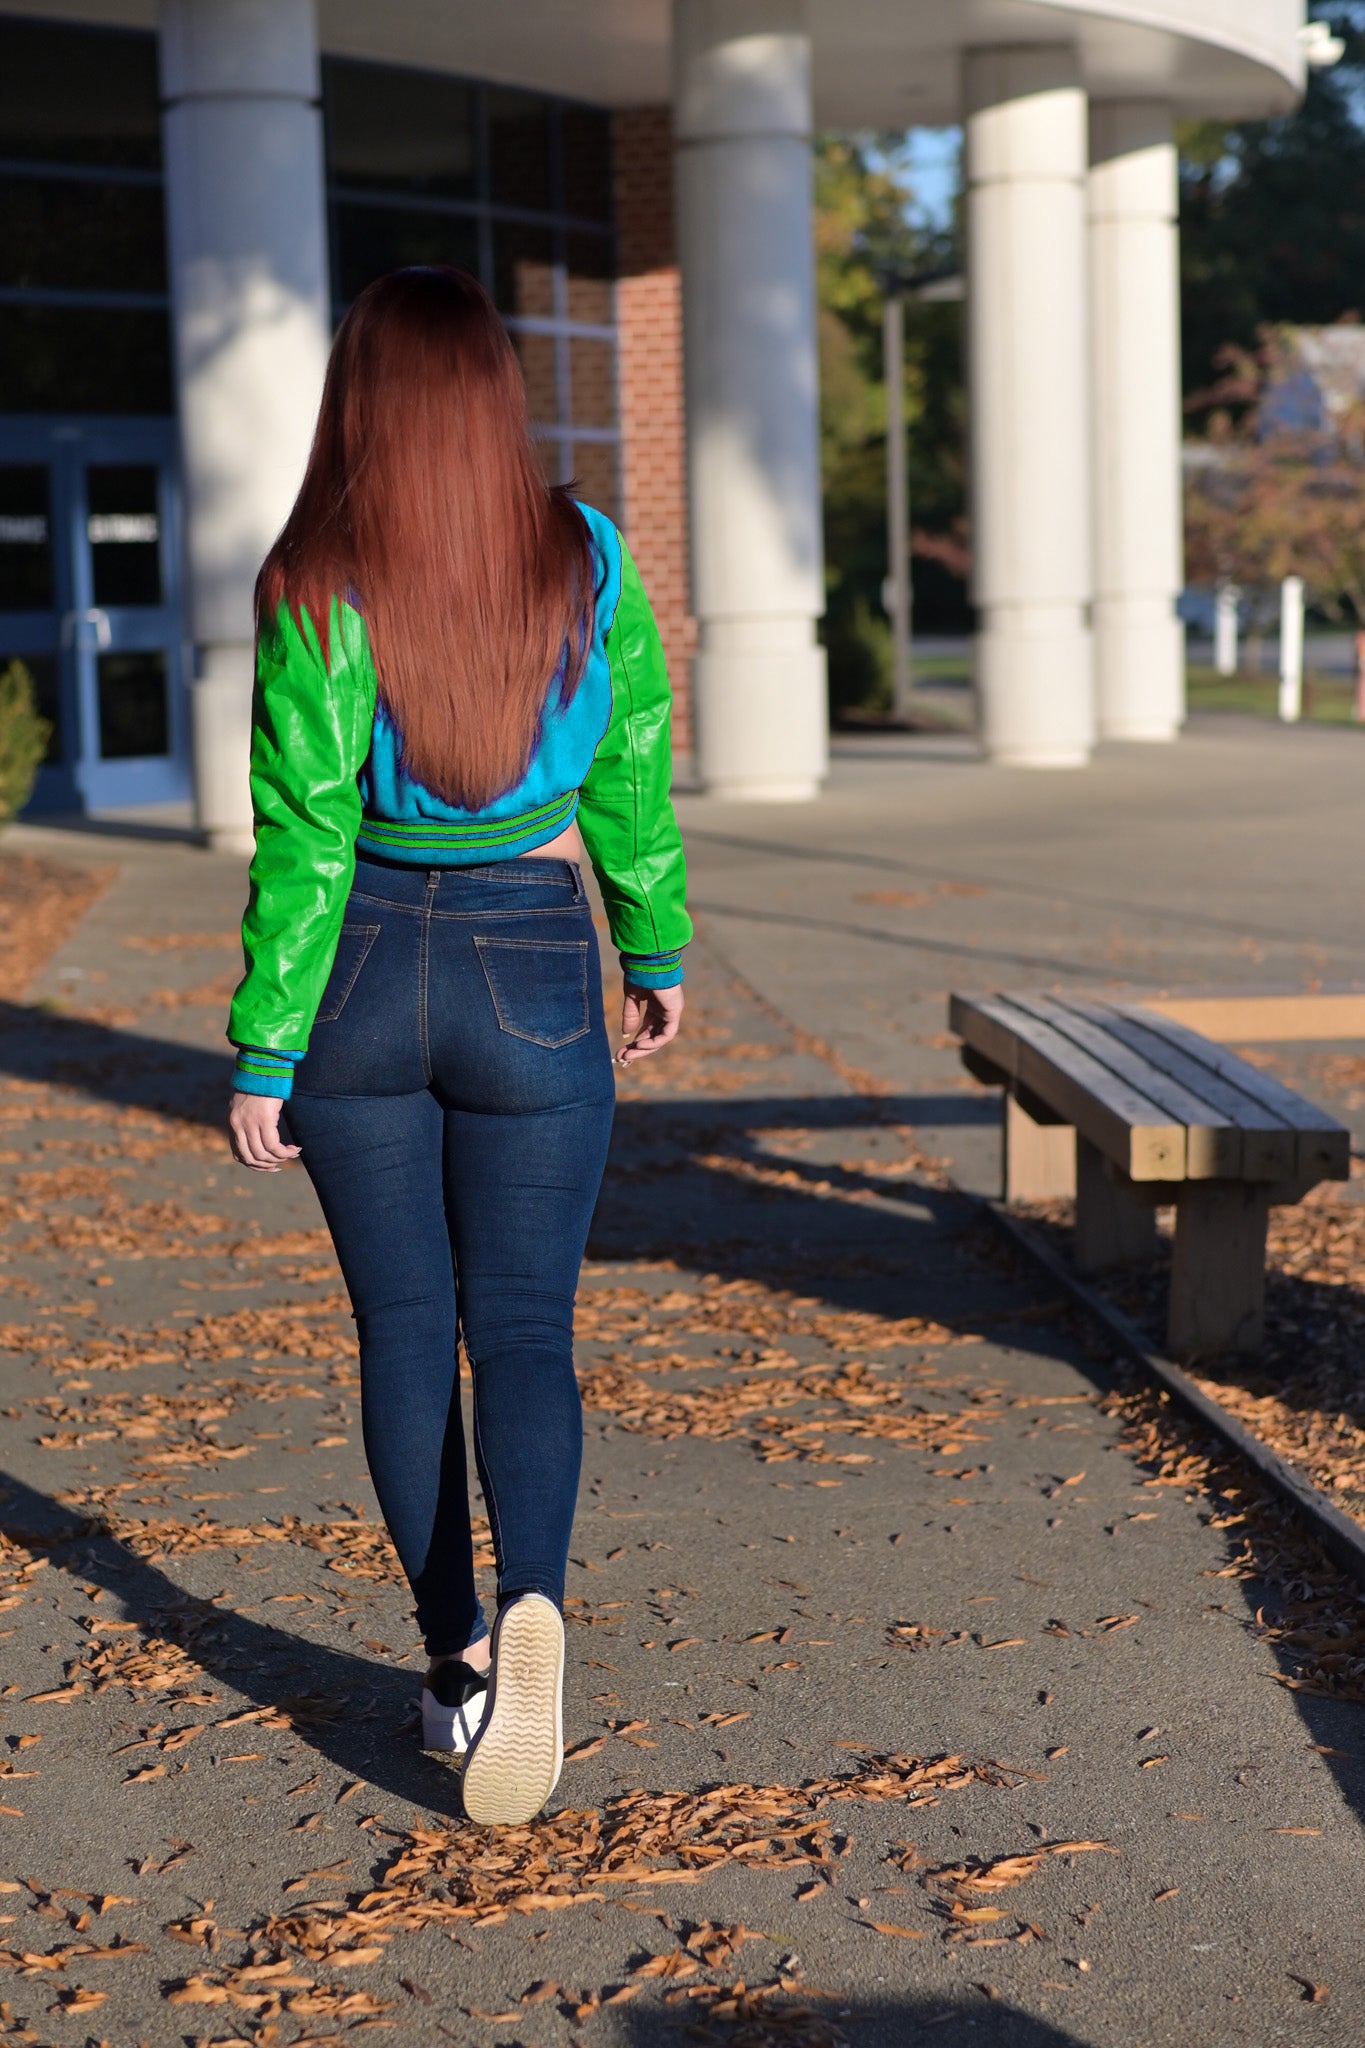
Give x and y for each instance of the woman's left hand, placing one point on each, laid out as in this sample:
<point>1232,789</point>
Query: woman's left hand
<point>649,1019</point>
<point>254,1132</point>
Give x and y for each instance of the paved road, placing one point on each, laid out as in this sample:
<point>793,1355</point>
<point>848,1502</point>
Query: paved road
<point>874,1608</point>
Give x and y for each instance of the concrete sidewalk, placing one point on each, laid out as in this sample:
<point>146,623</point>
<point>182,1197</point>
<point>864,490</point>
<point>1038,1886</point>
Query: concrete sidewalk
<point>1026,1638</point>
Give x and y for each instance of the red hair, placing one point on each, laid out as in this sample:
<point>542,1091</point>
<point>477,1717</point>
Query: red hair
<point>424,504</point>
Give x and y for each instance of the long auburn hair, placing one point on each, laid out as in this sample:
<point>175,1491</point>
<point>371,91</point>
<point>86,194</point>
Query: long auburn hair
<point>424,505</point>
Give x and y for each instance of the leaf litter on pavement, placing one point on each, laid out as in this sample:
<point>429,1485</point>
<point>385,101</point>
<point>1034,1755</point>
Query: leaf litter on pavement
<point>758,1361</point>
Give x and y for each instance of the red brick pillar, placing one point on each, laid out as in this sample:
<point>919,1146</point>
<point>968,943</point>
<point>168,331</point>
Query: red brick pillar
<point>650,385</point>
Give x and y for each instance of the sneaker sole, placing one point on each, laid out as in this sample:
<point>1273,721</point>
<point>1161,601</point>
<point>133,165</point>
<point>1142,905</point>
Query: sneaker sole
<point>514,1762</point>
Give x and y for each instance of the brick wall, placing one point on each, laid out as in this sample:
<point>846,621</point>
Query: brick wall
<point>650,387</point>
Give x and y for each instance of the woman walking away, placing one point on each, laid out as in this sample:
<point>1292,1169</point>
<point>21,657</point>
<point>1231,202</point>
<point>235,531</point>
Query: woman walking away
<point>457,673</point>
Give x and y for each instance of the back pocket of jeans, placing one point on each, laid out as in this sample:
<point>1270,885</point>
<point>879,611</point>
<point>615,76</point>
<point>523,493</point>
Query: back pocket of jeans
<point>539,987</point>
<point>352,948</point>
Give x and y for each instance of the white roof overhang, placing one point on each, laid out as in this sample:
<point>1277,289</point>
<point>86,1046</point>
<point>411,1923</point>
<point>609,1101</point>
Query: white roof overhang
<point>877,63</point>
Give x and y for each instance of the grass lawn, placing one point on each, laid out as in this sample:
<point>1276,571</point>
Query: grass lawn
<point>1329,700</point>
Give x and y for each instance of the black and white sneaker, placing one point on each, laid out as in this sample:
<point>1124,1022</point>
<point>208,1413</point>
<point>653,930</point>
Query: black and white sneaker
<point>453,1699</point>
<point>514,1760</point>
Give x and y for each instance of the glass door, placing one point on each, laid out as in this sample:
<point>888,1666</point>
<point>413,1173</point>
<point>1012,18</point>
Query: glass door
<point>93,607</point>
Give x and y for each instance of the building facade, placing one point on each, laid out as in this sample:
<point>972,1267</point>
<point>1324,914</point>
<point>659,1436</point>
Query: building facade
<point>193,191</point>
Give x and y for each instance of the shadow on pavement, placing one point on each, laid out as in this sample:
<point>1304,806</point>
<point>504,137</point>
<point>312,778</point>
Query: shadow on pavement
<point>132,1071</point>
<point>883,2022</point>
<point>1187,916</point>
<point>1050,964</point>
<point>123,1068</point>
<point>718,1203</point>
<point>348,1708</point>
<point>82,825</point>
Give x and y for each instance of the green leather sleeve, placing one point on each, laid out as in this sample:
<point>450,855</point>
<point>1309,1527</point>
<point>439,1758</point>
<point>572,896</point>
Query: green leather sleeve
<point>311,727</point>
<point>625,811</point>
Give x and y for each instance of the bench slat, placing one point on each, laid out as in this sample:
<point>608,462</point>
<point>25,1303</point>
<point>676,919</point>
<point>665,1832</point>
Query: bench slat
<point>1126,1125</point>
<point>1213,1142</point>
<point>1323,1146</point>
<point>1269,1144</point>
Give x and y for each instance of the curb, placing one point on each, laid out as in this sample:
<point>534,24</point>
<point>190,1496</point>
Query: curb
<point>1342,1538</point>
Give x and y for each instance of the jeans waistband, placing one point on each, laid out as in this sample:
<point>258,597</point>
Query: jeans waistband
<point>401,882</point>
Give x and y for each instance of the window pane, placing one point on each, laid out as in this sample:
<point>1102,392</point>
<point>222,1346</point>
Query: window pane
<point>537,353</point>
<point>592,382</point>
<point>82,237</point>
<point>587,162</point>
<point>400,130</point>
<point>523,270</point>
<point>519,148</point>
<point>374,239</point>
<point>25,539</point>
<point>124,528</point>
<point>46,696</point>
<point>79,95</point>
<point>133,712</point>
<point>590,279</point>
<point>84,359</point>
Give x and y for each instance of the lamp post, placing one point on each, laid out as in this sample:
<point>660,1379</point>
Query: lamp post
<point>896,590</point>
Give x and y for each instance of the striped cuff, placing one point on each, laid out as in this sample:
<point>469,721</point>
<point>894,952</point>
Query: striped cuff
<point>653,970</point>
<point>261,1072</point>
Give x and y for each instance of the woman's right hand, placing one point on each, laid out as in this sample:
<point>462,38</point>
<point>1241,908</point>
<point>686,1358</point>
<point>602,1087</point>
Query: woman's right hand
<point>649,1019</point>
<point>254,1132</point>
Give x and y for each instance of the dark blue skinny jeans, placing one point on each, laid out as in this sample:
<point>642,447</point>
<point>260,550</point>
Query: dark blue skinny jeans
<point>454,1109</point>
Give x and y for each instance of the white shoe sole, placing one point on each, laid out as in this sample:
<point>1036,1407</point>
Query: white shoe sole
<point>516,1756</point>
<point>451,1729</point>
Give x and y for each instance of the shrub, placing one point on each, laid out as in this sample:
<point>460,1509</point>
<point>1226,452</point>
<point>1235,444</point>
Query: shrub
<point>24,735</point>
<point>860,659</point>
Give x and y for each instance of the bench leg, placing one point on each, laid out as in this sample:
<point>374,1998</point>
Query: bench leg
<point>1218,1271</point>
<point>1040,1159</point>
<point>1113,1227</point>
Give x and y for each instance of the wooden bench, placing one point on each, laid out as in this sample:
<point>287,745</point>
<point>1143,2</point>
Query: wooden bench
<point>1127,1111</point>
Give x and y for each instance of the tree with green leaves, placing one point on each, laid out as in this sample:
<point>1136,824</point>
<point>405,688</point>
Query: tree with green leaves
<point>864,235</point>
<point>1272,213</point>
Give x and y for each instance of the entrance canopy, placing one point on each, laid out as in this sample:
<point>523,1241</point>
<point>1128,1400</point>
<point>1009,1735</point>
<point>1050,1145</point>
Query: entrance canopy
<point>875,63</point>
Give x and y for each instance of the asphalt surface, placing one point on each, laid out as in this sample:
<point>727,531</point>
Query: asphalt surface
<point>855,1499</point>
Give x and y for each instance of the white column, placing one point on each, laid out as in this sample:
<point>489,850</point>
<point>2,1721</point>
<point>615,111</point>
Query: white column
<point>246,229</point>
<point>1028,385</point>
<point>742,116</point>
<point>1135,371</point>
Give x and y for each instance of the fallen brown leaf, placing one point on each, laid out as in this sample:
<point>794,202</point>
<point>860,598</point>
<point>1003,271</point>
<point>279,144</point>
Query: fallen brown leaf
<point>78,1999</point>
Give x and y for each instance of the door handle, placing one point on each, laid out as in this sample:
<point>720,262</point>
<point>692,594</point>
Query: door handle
<point>93,616</point>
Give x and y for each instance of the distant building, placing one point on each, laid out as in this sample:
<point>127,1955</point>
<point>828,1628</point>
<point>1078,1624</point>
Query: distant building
<point>1320,381</point>
<point>193,191</point>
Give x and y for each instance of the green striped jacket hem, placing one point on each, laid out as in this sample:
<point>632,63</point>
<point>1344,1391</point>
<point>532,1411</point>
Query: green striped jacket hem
<point>464,840</point>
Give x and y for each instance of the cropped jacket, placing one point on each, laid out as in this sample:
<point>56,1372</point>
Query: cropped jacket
<point>328,780</point>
